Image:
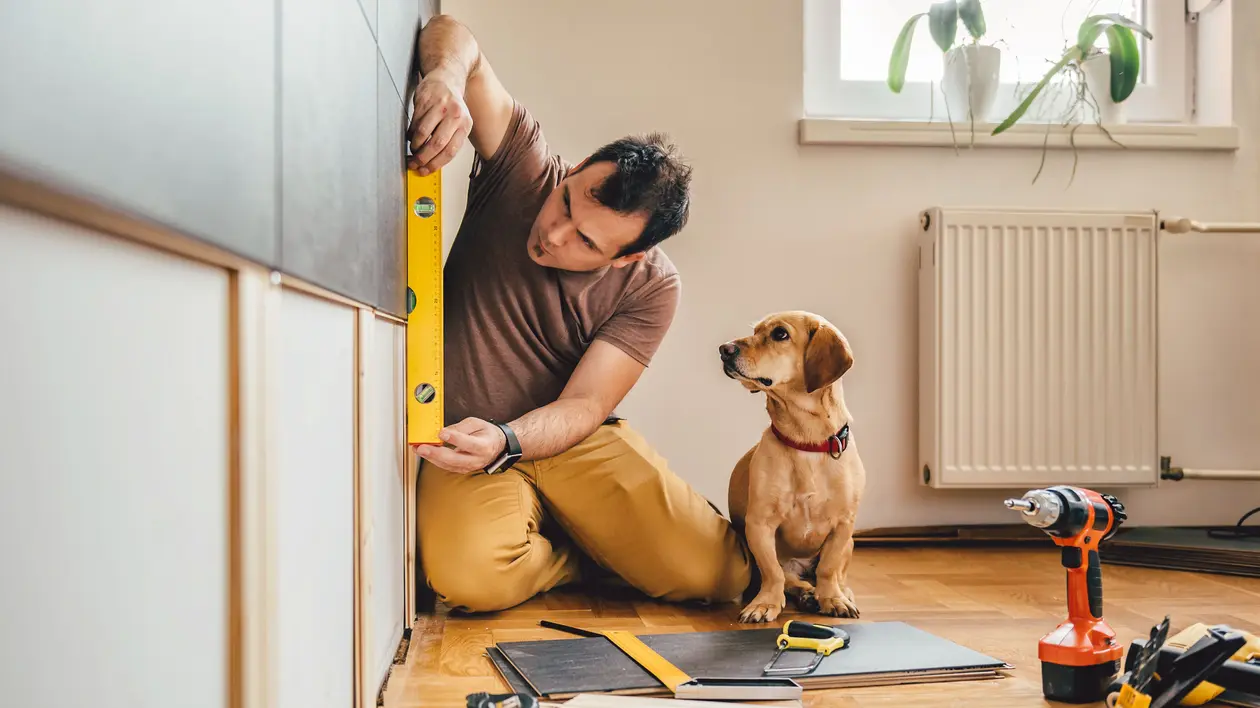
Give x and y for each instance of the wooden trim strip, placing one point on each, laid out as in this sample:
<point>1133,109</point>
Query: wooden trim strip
<point>294,283</point>
<point>365,693</point>
<point>383,315</point>
<point>237,663</point>
<point>253,607</point>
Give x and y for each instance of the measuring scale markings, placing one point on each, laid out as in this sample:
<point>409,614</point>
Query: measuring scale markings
<point>425,410</point>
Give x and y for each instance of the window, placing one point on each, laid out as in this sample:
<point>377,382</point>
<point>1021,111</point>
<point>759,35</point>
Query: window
<point>848,44</point>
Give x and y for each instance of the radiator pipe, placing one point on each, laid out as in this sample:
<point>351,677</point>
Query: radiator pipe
<point>1167,471</point>
<point>1182,225</point>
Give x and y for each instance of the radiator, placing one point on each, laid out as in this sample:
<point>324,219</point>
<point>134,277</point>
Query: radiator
<point>1037,348</point>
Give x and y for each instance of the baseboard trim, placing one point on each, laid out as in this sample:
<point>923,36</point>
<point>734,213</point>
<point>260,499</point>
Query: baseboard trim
<point>950,534</point>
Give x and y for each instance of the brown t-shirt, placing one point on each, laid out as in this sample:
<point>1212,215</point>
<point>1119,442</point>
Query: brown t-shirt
<point>516,330</point>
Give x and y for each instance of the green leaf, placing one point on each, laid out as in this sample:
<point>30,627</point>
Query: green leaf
<point>943,21</point>
<point>1094,25</point>
<point>1022,108</point>
<point>973,17</point>
<point>900,58</point>
<point>1125,62</point>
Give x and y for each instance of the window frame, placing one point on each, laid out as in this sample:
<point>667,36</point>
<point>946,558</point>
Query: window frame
<point>1162,96</point>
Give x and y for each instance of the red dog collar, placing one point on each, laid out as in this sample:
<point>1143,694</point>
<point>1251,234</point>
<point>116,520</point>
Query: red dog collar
<point>834,445</point>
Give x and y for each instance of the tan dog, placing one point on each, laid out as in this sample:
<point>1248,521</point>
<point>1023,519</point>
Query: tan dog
<point>796,492</point>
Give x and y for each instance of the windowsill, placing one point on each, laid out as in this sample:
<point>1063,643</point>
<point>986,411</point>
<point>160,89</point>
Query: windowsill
<point>904,133</point>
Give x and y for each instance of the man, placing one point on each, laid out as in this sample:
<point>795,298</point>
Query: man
<point>556,299</point>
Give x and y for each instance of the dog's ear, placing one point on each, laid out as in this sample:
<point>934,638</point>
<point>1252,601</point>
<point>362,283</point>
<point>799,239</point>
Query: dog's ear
<point>827,357</point>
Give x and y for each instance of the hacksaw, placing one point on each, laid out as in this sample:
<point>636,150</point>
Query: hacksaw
<point>425,392</point>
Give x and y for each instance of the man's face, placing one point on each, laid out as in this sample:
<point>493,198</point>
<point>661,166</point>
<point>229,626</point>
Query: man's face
<point>573,231</point>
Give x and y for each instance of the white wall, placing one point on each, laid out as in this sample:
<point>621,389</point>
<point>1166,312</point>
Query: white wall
<point>777,225</point>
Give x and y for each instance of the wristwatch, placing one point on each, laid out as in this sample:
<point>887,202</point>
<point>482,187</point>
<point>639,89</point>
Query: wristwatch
<point>511,451</point>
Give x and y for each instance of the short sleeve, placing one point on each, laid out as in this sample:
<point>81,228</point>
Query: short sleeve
<point>640,324</point>
<point>521,164</point>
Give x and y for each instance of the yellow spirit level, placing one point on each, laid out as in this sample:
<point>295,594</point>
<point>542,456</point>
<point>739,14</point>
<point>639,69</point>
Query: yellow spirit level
<point>425,415</point>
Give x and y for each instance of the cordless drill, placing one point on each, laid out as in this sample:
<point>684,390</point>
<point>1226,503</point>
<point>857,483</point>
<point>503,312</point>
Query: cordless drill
<point>1080,657</point>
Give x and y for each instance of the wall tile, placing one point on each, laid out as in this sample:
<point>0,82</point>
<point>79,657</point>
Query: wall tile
<point>399,24</point>
<point>370,10</point>
<point>391,231</point>
<point>328,89</point>
<point>166,109</point>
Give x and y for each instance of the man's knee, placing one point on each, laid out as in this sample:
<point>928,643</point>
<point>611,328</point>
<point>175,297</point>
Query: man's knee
<point>478,587</point>
<point>474,540</point>
<point>475,579</point>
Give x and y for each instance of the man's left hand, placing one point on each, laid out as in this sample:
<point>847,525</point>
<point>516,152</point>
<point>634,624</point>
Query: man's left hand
<point>473,444</point>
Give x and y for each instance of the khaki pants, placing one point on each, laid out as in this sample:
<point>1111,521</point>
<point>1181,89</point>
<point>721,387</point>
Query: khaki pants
<point>489,542</point>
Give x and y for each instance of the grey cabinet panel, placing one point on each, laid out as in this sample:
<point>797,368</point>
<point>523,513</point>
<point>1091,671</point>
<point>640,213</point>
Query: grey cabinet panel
<point>165,108</point>
<point>398,27</point>
<point>391,227</point>
<point>328,88</point>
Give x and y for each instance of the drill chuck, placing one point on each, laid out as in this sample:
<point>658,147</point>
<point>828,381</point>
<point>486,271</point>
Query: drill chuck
<point>1039,507</point>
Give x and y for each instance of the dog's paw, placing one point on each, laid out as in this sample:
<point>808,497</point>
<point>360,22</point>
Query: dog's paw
<point>761,610</point>
<point>807,602</point>
<point>842,606</point>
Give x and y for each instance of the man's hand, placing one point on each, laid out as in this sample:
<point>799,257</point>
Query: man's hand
<point>457,100</point>
<point>474,444</point>
<point>440,122</point>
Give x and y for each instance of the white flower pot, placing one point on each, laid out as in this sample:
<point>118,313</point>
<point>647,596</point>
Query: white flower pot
<point>1097,70</point>
<point>971,80</point>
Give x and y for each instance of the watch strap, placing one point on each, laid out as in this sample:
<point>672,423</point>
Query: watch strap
<point>513,443</point>
<point>511,450</point>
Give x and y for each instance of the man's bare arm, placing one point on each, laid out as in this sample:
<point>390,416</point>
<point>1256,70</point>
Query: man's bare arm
<point>458,98</point>
<point>599,383</point>
<point>603,377</point>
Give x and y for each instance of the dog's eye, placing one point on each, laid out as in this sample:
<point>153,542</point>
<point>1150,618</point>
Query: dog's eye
<point>779,334</point>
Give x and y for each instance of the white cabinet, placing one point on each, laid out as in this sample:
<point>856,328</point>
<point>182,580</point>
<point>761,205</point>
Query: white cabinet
<point>203,492</point>
<point>114,472</point>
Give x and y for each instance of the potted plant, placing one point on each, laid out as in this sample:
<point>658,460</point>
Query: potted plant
<point>1100,80</point>
<point>970,80</point>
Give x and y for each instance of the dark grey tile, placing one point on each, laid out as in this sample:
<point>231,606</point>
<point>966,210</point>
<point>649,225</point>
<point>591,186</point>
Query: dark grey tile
<point>397,30</point>
<point>329,78</point>
<point>391,231</point>
<point>166,109</point>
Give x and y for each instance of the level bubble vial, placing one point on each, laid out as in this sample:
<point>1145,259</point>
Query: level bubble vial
<point>425,207</point>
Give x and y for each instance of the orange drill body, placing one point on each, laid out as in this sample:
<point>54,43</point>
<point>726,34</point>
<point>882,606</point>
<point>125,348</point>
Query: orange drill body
<point>1081,655</point>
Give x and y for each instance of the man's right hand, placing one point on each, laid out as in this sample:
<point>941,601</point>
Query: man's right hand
<point>440,122</point>
<point>457,100</point>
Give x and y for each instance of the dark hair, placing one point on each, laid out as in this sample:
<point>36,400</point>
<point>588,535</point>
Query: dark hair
<point>649,177</point>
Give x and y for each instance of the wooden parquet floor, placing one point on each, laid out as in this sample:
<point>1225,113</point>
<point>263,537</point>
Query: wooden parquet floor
<point>999,601</point>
